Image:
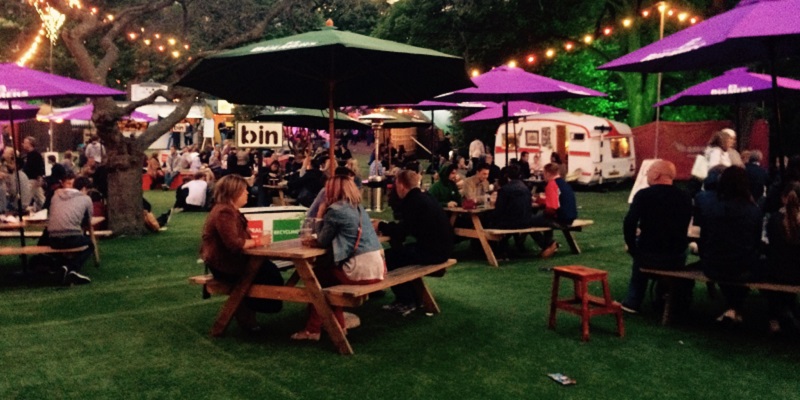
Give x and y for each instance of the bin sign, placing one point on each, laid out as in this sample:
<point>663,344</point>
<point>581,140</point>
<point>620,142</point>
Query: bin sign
<point>253,134</point>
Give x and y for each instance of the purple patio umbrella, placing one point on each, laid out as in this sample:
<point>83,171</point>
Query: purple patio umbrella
<point>733,87</point>
<point>19,110</point>
<point>20,83</point>
<point>755,30</point>
<point>518,108</point>
<point>504,84</point>
<point>84,113</point>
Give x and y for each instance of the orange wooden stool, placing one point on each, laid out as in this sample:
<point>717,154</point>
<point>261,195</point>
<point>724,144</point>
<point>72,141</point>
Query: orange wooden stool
<point>583,303</point>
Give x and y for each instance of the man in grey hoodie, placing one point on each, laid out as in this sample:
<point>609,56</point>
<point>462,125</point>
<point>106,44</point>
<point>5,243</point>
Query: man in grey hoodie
<point>70,211</point>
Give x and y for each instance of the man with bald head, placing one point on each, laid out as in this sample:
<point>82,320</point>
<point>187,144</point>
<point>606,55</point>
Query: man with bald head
<point>661,214</point>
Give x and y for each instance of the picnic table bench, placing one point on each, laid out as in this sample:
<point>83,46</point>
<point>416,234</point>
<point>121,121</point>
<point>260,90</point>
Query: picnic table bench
<point>672,277</point>
<point>32,250</point>
<point>311,291</point>
<point>577,226</point>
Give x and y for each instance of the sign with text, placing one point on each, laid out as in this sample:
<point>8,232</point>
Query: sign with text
<point>252,134</point>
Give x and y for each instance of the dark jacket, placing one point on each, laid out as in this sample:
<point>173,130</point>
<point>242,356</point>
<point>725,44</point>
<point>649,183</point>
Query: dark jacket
<point>424,220</point>
<point>730,240</point>
<point>513,207</point>
<point>783,256</point>
<point>662,214</point>
<point>758,178</point>
<point>445,190</point>
<point>34,165</point>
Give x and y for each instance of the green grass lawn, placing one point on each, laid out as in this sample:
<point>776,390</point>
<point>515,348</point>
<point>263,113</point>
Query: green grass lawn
<point>141,331</point>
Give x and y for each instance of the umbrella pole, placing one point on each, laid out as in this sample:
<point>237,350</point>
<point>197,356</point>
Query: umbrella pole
<point>505,118</point>
<point>776,107</point>
<point>20,211</point>
<point>331,157</point>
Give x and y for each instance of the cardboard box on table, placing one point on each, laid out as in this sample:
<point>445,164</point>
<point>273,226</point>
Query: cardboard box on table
<point>284,222</point>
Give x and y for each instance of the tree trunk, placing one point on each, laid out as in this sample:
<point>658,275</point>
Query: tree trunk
<point>125,201</point>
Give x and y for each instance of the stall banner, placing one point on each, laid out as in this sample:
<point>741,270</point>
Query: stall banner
<point>283,222</point>
<point>252,134</point>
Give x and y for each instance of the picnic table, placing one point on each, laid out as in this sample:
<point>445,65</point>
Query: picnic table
<point>476,231</point>
<point>303,259</point>
<point>279,187</point>
<point>6,227</point>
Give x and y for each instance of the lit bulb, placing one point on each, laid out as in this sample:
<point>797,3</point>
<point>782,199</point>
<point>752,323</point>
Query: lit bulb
<point>588,39</point>
<point>662,7</point>
<point>627,22</point>
<point>670,12</point>
<point>132,36</point>
<point>186,46</point>
<point>693,20</point>
<point>682,16</point>
<point>607,31</point>
<point>550,53</point>
<point>161,48</point>
<point>645,13</point>
<point>147,42</point>
<point>110,17</point>
<point>157,36</point>
<point>512,64</point>
<point>475,72</point>
<point>531,59</point>
<point>171,42</point>
<point>568,46</point>
<point>176,54</point>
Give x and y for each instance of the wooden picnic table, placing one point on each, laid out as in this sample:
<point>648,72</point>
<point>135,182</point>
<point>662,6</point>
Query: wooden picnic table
<point>41,222</point>
<point>311,291</point>
<point>476,232</point>
<point>280,188</point>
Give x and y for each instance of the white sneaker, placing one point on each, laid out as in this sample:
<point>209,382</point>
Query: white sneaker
<point>77,279</point>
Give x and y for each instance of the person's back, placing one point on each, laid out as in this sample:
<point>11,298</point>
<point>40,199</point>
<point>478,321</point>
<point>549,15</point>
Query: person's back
<point>568,206</point>
<point>663,213</point>
<point>513,207</point>
<point>758,176</point>
<point>70,211</point>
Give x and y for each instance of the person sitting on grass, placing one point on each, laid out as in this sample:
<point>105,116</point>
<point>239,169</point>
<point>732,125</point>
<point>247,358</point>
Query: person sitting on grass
<point>224,238</point>
<point>423,219</point>
<point>560,209</point>
<point>70,212</point>
<point>357,252</point>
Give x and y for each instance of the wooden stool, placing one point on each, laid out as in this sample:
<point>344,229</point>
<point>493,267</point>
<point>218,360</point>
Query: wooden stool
<point>582,303</point>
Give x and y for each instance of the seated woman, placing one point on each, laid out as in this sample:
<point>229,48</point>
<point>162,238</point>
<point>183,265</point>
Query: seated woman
<point>783,256</point>
<point>357,252</point>
<point>730,239</point>
<point>224,237</point>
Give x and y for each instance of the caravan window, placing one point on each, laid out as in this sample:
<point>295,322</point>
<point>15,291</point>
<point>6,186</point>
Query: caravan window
<point>620,148</point>
<point>578,136</point>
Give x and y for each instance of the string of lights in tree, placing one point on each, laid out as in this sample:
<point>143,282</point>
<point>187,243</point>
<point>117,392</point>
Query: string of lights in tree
<point>52,21</point>
<point>679,16</point>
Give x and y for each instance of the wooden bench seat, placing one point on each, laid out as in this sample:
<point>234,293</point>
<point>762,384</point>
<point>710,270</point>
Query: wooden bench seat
<point>38,234</point>
<point>339,295</point>
<point>577,226</point>
<point>31,250</point>
<point>699,276</point>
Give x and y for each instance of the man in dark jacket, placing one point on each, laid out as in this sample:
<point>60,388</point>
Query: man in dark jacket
<point>756,175</point>
<point>661,214</point>
<point>423,219</point>
<point>33,166</point>
<point>512,209</point>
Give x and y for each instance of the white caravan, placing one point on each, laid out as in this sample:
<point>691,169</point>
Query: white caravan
<point>595,150</point>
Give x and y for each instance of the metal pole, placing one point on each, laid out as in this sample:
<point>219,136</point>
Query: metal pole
<point>662,7</point>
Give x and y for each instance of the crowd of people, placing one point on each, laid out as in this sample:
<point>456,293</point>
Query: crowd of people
<point>748,230</point>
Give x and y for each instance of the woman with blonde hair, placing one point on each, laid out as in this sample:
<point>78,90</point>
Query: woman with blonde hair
<point>352,165</point>
<point>225,236</point>
<point>717,150</point>
<point>357,252</point>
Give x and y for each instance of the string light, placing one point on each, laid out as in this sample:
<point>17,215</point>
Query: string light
<point>681,17</point>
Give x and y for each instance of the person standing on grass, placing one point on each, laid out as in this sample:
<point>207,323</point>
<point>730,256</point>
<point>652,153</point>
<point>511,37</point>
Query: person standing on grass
<point>225,236</point>
<point>70,212</point>
<point>423,219</point>
<point>560,209</point>
<point>660,214</point>
<point>357,252</point>
<point>33,166</point>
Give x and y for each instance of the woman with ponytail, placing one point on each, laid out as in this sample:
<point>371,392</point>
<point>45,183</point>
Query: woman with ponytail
<point>783,256</point>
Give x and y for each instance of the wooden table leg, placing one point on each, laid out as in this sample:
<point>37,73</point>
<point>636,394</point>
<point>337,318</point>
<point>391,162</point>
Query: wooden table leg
<point>312,286</point>
<point>476,223</point>
<point>573,245</point>
<point>93,238</point>
<point>281,198</point>
<point>425,294</point>
<point>235,298</point>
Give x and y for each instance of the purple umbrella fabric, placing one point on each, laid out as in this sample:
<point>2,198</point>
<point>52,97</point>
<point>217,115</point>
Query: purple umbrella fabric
<point>741,35</point>
<point>432,105</point>
<point>515,109</point>
<point>734,86</point>
<point>19,111</point>
<point>22,83</point>
<point>84,113</point>
<point>504,83</point>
